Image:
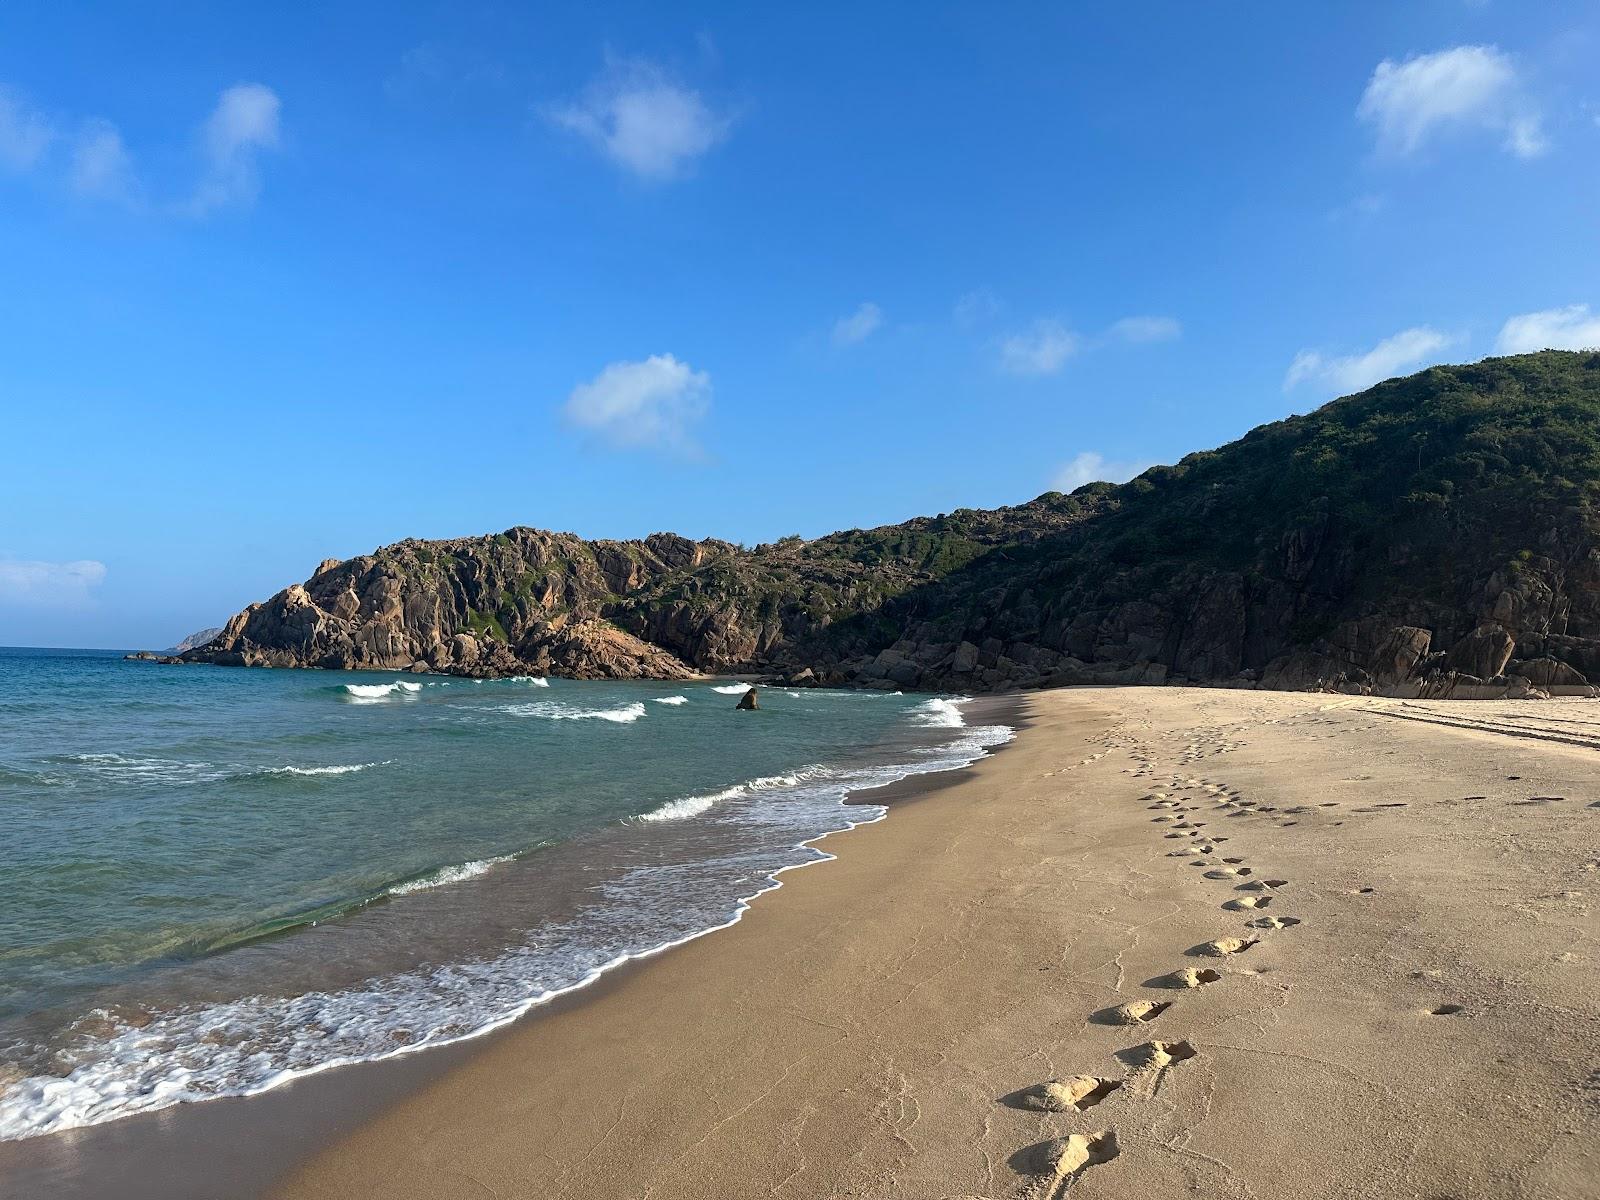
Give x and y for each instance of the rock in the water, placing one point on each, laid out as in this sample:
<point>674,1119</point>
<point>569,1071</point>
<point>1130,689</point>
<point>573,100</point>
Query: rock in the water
<point>748,701</point>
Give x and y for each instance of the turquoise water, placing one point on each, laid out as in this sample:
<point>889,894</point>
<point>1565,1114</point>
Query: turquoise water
<point>217,879</point>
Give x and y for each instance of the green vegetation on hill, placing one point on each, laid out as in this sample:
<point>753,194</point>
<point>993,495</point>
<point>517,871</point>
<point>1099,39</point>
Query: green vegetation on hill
<point>1409,515</point>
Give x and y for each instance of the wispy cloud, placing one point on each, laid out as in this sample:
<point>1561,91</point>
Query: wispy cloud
<point>1091,467</point>
<point>66,584</point>
<point>1041,349</point>
<point>1466,87</point>
<point>643,405</point>
<point>243,124</point>
<point>87,157</point>
<point>1046,345</point>
<point>434,68</point>
<point>101,166</point>
<point>976,307</point>
<point>1571,328</point>
<point>858,326</point>
<point>1405,351</point>
<point>643,120</point>
<point>25,133</point>
<point>1141,330</point>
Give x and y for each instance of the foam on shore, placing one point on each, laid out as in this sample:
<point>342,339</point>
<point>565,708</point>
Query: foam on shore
<point>257,1042</point>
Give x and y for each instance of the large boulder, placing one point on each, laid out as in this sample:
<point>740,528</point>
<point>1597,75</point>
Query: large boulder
<point>1484,652</point>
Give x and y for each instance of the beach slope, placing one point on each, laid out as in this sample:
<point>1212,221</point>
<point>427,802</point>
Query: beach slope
<point>1265,945</point>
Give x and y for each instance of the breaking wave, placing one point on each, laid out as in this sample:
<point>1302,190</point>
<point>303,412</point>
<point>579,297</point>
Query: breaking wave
<point>444,875</point>
<point>690,806</point>
<point>377,691</point>
<point>940,713</point>
<point>554,710</point>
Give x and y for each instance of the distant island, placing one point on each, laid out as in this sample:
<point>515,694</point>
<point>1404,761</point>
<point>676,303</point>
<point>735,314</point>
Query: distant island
<point>194,641</point>
<point>1434,535</point>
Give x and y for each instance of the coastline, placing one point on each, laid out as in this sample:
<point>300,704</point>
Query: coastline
<point>872,1027</point>
<point>173,1150</point>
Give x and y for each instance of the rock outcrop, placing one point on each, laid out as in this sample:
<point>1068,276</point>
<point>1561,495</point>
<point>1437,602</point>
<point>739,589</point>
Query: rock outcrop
<point>1436,535</point>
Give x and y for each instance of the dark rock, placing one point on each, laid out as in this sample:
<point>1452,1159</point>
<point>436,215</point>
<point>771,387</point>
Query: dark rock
<point>1376,545</point>
<point>1483,652</point>
<point>747,702</point>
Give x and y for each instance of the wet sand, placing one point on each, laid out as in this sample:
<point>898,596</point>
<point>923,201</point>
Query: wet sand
<point>1265,944</point>
<point>1262,944</point>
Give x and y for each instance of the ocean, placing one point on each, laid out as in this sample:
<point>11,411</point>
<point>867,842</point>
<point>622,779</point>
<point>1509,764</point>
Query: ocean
<point>215,880</point>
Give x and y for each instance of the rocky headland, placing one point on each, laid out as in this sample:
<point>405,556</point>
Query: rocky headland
<point>1433,536</point>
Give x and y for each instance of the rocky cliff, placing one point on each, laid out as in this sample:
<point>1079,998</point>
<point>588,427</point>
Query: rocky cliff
<point>1438,534</point>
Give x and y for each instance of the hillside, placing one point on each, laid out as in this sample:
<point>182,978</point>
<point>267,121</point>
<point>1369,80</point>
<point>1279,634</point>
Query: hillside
<point>1432,534</point>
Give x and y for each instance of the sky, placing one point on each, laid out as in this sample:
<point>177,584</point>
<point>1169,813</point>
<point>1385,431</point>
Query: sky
<point>281,284</point>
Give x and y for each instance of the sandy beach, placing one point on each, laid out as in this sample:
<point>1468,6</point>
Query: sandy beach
<point>1265,944</point>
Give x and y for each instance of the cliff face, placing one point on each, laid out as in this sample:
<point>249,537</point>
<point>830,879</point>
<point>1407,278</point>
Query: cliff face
<point>1437,534</point>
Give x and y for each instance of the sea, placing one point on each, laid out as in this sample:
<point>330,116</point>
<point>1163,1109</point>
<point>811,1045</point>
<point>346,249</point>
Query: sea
<point>216,880</point>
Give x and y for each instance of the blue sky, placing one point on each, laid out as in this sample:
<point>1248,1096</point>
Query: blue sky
<point>283,285</point>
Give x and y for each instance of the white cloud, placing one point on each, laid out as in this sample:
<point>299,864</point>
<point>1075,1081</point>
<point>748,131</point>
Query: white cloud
<point>53,583</point>
<point>642,120</point>
<point>1042,349</point>
<point>1405,351</point>
<point>1571,328</point>
<point>243,124</point>
<point>25,133</point>
<point>100,163</point>
<point>649,404</point>
<point>1138,330</point>
<point>1089,467</point>
<point>1471,87</point>
<point>976,307</point>
<point>858,326</point>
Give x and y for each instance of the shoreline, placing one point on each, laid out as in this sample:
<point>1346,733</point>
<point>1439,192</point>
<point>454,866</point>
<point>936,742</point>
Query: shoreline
<point>882,1028</point>
<point>91,1160</point>
<point>877,1030</point>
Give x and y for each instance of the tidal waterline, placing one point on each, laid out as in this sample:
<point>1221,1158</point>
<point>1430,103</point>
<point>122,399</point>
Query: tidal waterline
<point>222,879</point>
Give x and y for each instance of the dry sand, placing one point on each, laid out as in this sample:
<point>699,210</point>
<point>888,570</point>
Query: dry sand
<point>1262,945</point>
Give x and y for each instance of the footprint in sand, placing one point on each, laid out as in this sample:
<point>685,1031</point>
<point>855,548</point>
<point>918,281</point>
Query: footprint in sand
<point>1227,872</point>
<point>1064,1095</point>
<point>1263,885</point>
<point>1233,860</point>
<point>1447,1010</point>
<point>1273,922</point>
<point>1156,1055</point>
<point>1244,903</point>
<point>1067,1158</point>
<point>1136,1012</point>
<point>1222,947</point>
<point>1190,977</point>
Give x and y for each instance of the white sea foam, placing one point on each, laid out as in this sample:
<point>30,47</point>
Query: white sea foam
<point>690,806</point>
<point>732,689</point>
<point>136,769</point>
<point>349,769</point>
<point>379,691</point>
<point>444,875</point>
<point>258,1042</point>
<point>941,713</point>
<point>554,710</point>
<point>533,680</point>
<point>670,699</point>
